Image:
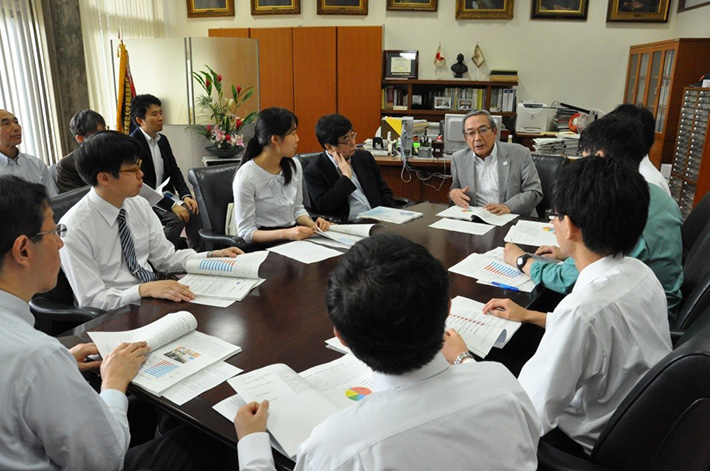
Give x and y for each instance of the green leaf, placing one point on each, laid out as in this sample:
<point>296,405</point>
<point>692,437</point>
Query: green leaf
<point>234,94</point>
<point>250,117</point>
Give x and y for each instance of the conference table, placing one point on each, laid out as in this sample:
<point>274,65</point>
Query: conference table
<point>284,320</point>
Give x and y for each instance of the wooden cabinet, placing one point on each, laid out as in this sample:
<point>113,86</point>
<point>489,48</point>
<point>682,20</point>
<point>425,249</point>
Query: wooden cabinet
<point>315,71</point>
<point>690,174</point>
<point>656,75</point>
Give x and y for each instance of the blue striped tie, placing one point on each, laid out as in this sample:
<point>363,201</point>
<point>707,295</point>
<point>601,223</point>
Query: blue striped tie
<point>129,250</point>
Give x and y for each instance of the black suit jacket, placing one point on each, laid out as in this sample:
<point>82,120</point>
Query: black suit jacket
<point>170,169</point>
<point>329,191</point>
<point>68,177</point>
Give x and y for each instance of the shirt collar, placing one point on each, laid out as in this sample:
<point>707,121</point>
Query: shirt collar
<point>148,138</point>
<point>596,270</point>
<point>6,160</point>
<point>16,306</point>
<point>108,211</point>
<point>382,381</point>
<point>491,159</point>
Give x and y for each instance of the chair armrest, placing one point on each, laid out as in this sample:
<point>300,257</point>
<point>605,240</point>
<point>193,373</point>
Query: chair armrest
<point>222,240</point>
<point>675,336</point>
<point>550,458</point>
<point>402,202</point>
<point>53,310</point>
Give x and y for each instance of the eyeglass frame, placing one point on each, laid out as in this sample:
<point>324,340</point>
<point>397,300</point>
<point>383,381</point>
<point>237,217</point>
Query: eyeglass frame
<point>551,214</point>
<point>139,168</point>
<point>351,137</point>
<point>481,131</point>
<point>60,230</point>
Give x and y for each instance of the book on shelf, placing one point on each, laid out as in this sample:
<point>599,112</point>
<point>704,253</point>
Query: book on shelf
<point>393,215</point>
<point>177,352</point>
<point>504,75</point>
<point>224,278</point>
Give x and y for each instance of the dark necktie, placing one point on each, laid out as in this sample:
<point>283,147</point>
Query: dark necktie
<point>129,250</point>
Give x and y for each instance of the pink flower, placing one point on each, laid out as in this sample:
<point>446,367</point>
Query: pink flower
<point>209,128</point>
<point>219,77</point>
<point>238,123</point>
<point>239,89</point>
<point>227,137</point>
<point>208,83</point>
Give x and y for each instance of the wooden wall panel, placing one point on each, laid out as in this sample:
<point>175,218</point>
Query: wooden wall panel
<point>275,66</point>
<point>228,33</point>
<point>359,66</point>
<point>314,83</point>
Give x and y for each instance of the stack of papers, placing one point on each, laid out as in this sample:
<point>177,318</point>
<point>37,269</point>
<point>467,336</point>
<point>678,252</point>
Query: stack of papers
<point>562,118</point>
<point>395,216</point>
<point>473,213</point>
<point>490,268</point>
<point>532,233</point>
<point>549,146</point>
<point>342,236</point>
<point>571,144</point>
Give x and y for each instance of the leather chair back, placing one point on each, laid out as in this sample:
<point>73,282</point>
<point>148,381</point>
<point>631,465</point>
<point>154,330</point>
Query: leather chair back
<point>213,191</point>
<point>62,203</point>
<point>696,282</point>
<point>694,224</point>
<point>548,168</point>
<point>305,160</point>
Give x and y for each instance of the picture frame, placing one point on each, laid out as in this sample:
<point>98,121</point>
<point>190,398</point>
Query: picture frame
<point>412,5</point>
<point>464,104</point>
<point>341,7</point>
<point>559,9</point>
<point>442,102</point>
<point>209,8</point>
<point>275,7</point>
<point>641,11</point>
<point>484,9</point>
<point>400,64</point>
<point>685,5</point>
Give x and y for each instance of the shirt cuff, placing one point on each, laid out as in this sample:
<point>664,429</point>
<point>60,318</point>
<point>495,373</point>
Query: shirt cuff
<point>254,452</point>
<point>115,400</point>
<point>131,295</point>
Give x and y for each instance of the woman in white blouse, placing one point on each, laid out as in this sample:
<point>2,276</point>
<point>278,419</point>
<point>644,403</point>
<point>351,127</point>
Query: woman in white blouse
<point>268,189</point>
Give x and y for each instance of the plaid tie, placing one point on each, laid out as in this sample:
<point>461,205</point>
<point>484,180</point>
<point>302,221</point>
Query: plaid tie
<point>129,250</point>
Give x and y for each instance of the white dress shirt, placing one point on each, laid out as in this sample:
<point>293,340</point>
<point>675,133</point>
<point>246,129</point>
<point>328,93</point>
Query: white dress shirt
<point>652,175</point>
<point>357,200</point>
<point>598,343</point>
<point>470,416</point>
<point>156,156</point>
<point>30,168</point>
<point>261,199</point>
<point>92,257</point>
<point>486,172</point>
<point>50,418</point>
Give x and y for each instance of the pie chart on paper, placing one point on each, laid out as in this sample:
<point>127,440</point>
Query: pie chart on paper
<point>357,393</point>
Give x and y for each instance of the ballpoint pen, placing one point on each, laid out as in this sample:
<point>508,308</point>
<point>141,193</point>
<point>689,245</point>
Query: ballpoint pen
<point>504,286</point>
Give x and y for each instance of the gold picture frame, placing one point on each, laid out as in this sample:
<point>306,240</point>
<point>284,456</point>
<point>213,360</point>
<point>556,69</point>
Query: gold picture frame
<point>412,5</point>
<point>342,7</point>
<point>642,11</point>
<point>209,8</point>
<point>275,7</point>
<point>559,9</point>
<point>484,9</point>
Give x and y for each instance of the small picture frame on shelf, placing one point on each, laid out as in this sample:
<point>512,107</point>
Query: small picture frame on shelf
<point>442,102</point>
<point>684,5</point>
<point>484,9</point>
<point>412,5</point>
<point>209,8</point>
<point>341,7</point>
<point>275,7</point>
<point>559,9</point>
<point>641,11</point>
<point>464,104</point>
<point>400,64</point>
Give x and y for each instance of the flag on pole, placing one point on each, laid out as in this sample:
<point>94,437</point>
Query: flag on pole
<point>478,57</point>
<point>439,60</point>
<point>126,91</point>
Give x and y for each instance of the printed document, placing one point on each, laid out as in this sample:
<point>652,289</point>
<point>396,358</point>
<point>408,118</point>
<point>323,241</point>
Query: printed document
<point>200,382</point>
<point>342,235</point>
<point>490,267</point>
<point>475,212</point>
<point>532,233</point>
<point>304,252</point>
<point>393,215</point>
<point>466,227</point>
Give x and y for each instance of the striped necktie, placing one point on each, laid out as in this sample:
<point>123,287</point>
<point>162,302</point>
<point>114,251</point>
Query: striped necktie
<point>129,250</point>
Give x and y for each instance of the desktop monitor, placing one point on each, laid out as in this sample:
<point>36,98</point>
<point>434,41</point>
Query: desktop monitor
<point>453,132</point>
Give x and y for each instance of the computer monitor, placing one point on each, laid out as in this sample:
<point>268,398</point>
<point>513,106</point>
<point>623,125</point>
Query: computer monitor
<point>453,132</point>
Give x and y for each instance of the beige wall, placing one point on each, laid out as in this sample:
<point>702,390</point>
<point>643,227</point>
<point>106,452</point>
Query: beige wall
<point>582,63</point>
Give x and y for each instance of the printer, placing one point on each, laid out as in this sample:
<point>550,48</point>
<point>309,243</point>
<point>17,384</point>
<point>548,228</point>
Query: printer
<point>534,118</point>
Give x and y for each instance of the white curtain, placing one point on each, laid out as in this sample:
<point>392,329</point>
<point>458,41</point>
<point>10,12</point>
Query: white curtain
<point>101,21</point>
<point>25,78</point>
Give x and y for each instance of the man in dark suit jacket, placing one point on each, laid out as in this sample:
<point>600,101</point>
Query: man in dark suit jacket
<point>83,124</point>
<point>343,181</point>
<point>158,165</point>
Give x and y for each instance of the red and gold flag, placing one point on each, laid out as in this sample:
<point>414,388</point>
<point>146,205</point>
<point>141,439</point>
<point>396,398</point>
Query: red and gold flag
<point>126,91</point>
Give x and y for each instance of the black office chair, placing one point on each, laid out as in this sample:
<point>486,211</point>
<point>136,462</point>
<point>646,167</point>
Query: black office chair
<point>694,224</point>
<point>213,191</point>
<point>54,311</point>
<point>662,424</point>
<point>696,283</point>
<point>548,168</point>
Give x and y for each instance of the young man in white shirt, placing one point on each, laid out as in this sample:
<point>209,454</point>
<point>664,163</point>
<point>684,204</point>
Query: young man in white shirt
<point>115,240</point>
<point>612,328</point>
<point>388,299</point>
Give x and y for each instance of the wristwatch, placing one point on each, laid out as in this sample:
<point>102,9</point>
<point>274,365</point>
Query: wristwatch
<point>461,357</point>
<point>522,260</point>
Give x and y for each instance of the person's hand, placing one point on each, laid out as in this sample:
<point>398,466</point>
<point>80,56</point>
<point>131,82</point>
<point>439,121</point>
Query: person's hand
<point>122,364</point>
<point>511,252</point>
<point>83,350</point>
<point>251,418</point>
<point>166,289</point>
<point>182,213</point>
<point>552,251</point>
<point>299,233</point>
<point>322,224</point>
<point>454,345</point>
<point>497,208</point>
<point>459,198</point>
<point>230,252</point>
<point>191,205</point>
<point>506,309</point>
<point>343,164</point>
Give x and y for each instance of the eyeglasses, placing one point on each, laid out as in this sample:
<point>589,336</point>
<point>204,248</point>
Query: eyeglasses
<point>551,214</point>
<point>482,131</point>
<point>350,137</point>
<point>60,230</point>
<point>137,169</point>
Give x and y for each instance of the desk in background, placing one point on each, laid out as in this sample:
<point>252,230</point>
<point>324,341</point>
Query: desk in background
<point>434,189</point>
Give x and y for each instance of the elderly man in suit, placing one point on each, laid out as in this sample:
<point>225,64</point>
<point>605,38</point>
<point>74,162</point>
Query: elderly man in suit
<point>498,176</point>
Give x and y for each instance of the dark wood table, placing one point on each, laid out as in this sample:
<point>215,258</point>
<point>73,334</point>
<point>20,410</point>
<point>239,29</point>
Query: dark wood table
<point>284,320</point>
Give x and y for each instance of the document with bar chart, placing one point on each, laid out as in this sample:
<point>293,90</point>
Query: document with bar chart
<point>177,350</point>
<point>490,268</point>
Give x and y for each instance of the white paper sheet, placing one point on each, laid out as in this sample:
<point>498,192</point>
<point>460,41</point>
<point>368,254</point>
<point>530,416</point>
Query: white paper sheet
<point>200,382</point>
<point>304,252</point>
<point>457,212</point>
<point>490,266</point>
<point>532,233</point>
<point>337,345</point>
<point>466,227</point>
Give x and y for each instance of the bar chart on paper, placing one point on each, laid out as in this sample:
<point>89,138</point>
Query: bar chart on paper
<point>161,368</point>
<point>503,270</point>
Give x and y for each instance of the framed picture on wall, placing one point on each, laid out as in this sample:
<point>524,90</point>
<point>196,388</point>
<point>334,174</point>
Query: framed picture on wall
<point>690,4</point>
<point>275,7</point>
<point>400,64</point>
<point>484,9</point>
<point>560,9</point>
<point>209,8</point>
<point>412,5</point>
<point>442,102</point>
<point>464,104</point>
<point>644,11</point>
<point>342,7</point>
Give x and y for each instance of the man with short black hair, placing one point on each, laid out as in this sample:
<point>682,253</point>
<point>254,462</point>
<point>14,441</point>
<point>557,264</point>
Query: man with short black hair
<point>344,181</point>
<point>612,328</point>
<point>388,299</point>
<point>83,124</point>
<point>115,240</point>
